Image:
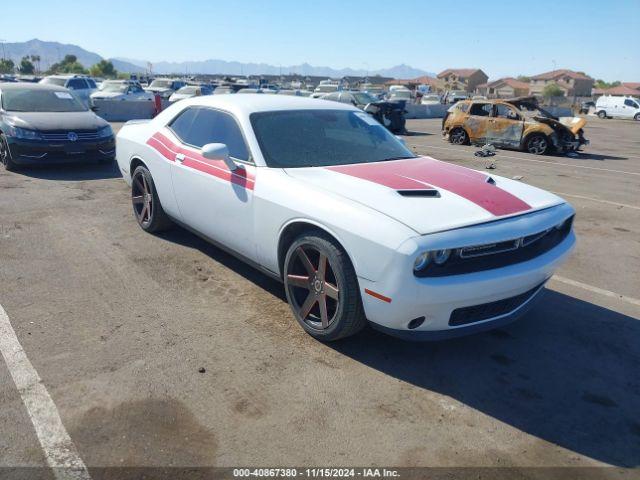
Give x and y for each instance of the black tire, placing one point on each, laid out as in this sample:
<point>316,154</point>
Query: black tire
<point>308,287</point>
<point>146,204</point>
<point>5,155</point>
<point>537,144</point>
<point>602,114</point>
<point>458,136</point>
<point>637,117</point>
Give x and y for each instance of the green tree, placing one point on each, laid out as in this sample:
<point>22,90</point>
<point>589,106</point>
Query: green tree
<point>35,59</point>
<point>103,68</point>
<point>524,78</point>
<point>26,67</point>
<point>69,64</point>
<point>6,65</point>
<point>552,90</point>
<point>604,85</point>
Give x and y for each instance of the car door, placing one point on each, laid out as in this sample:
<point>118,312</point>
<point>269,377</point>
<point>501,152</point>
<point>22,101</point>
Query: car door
<point>477,122</point>
<point>212,199</point>
<point>629,108</point>
<point>505,126</point>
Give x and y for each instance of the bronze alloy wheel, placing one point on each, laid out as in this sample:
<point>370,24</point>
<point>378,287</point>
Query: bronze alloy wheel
<point>142,198</point>
<point>312,287</point>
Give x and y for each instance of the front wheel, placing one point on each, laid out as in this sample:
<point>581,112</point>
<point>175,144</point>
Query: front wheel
<point>458,136</point>
<point>322,288</point>
<point>146,204</point>
<point>5,155</point>
<point>637,117</point>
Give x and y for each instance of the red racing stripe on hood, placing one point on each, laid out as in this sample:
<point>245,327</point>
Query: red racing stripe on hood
<point>425,172</point>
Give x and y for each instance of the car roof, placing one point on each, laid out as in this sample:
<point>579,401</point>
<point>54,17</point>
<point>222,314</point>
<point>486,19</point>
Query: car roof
<point>32,86</point>
<point>255,102</point>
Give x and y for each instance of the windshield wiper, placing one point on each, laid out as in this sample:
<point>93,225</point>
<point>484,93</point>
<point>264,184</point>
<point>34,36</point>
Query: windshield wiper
<point>397,158</point>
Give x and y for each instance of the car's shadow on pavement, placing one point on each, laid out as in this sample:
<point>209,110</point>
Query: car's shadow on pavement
<point>72,172</point>
<point>567,373</point>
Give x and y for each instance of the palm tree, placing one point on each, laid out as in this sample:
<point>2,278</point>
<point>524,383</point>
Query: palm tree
<point>36,59</point>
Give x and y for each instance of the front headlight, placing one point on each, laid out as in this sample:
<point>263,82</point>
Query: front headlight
<point>24,134</point>
<point>422,261</point>
<point>441,256</point>
<point>105,132</point>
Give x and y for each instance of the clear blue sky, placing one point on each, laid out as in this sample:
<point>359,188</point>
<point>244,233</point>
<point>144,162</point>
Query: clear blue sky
<point>506,37</point>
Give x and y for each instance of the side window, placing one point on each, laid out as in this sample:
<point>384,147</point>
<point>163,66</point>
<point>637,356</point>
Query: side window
<point>76,84</point>
<point>333,96</point>
<point>630,103</point>
<point>463,107</point>
<point>91,83</point>
<point>181,125</point>
<point>503,111</point>
<point>480,109</point>
<point>346,98</point>
<point>211,126</point>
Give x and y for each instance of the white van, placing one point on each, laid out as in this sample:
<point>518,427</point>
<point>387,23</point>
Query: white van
<point>609,106</point>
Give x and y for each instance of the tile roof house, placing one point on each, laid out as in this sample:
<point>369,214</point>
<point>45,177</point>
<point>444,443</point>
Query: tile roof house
<point>462,78</point>
<point>435,84</point>
<point>574,84</point>
<point>623,90</point>
<point>503,88</point>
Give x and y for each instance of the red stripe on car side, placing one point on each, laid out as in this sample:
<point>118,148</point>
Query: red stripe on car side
<point>425,172</point>
<point>217,168</point>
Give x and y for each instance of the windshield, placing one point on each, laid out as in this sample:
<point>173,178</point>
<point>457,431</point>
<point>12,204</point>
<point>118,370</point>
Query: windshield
<point>54,81</point>
<point>36,100</point>
<point>188,90</point>
<point>114,87</point>
<point>161,84</point>
<point>401,94</point>
<point>317,138</point>
<point>364,98</point>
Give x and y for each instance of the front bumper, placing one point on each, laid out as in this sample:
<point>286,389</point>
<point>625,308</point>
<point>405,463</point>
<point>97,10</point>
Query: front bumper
<point>461,304</point>
<point>39,152</point>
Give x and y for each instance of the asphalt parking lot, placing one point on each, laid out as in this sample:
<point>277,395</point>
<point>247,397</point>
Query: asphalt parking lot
<point>117,323</point>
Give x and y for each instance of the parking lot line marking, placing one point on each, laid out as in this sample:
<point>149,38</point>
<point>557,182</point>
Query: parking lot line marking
<point>541,161</point>
<point>596,200</point>
<point>60,452</point>
<point>601,291</point>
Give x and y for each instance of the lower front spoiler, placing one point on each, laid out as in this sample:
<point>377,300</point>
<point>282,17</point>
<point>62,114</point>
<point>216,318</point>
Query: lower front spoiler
<point>477,327</point>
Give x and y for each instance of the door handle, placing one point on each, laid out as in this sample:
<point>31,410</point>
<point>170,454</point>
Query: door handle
<point>179,157</point>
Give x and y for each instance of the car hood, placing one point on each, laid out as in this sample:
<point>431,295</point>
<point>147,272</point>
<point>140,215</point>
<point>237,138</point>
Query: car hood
<point>573,124</point>
<point>57,120</point>
<point>107,95</point>
<point>428,195</point>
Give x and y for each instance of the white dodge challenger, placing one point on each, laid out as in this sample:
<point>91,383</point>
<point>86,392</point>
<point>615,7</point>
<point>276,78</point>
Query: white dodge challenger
<point>356,226</point>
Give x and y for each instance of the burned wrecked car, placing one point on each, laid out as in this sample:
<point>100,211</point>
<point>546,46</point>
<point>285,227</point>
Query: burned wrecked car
<point>390,113</point>
<point>517,123</point>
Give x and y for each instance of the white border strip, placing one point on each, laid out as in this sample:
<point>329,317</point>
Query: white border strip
<point>600,291</point>
<point>60,452</point>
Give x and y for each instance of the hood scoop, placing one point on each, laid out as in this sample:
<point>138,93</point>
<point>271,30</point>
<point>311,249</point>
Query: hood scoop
<point>425,192</point>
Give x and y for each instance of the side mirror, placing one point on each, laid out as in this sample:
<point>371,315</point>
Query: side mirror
<point>219,151</point>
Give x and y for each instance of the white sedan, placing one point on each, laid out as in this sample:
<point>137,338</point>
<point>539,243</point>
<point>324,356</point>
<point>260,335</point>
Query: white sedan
<point>124,90</point>
<point>357,227</point>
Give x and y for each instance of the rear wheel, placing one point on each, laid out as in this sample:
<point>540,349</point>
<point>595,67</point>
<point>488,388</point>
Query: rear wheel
<point>602,114</point>
<point>537,144</point>
<point>322,288</point>
<point>5,155</point>
<point>458,136</point>
<point>146,204</point>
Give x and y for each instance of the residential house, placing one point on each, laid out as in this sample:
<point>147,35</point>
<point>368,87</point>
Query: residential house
<point>435,84</point>
<point>462,78</point>
<point>626,89</point>
<point>573,84</point>
<point>503,88</point>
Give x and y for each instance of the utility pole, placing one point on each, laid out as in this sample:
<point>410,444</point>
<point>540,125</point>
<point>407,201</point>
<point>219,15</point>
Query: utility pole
<point>3,52</point>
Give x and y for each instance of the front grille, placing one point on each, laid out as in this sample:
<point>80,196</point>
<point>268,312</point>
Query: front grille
<point>500,254</point>
<point>64,136</point>
<point>485,311</point>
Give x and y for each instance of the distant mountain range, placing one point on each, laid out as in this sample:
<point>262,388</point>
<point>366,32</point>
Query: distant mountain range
<point>52,52</point>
